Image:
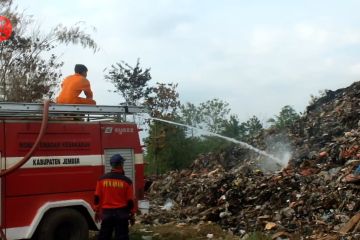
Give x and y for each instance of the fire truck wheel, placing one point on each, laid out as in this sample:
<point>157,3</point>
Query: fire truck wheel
<point>64,224</point>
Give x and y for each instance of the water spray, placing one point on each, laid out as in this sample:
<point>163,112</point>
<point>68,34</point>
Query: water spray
<point>246,145</point>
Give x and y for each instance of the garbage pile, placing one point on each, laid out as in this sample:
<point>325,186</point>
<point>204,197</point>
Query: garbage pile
<point>330,125</point>
<point>315,197</point>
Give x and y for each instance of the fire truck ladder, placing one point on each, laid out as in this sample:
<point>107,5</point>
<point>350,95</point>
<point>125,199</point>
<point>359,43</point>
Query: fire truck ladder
<point>69,111</point>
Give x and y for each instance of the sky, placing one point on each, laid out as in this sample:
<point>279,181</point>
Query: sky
<point>257,55</point>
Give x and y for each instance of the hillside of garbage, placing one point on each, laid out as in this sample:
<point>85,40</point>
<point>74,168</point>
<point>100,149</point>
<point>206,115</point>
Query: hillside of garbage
<point>315,196</point>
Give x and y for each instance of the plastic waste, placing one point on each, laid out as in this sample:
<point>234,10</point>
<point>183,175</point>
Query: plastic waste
<point>168,204</point>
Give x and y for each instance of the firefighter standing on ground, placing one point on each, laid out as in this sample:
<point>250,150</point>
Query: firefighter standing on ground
<point>73,85</point>
<point>114,203</point>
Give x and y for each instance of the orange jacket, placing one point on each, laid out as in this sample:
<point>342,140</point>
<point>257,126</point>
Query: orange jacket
<point>114,190</point>
<point>71,88</point>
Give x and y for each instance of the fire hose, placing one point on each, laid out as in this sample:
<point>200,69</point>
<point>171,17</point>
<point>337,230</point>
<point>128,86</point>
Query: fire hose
<point>43,127</point>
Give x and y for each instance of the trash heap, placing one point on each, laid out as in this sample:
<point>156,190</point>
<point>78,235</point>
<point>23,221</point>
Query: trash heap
<point>317,196</point>
<point>330,125</point>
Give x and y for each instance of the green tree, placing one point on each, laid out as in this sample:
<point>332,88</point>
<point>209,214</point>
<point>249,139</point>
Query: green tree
<point>285,119</point>
<point>213,113</point>
<point>190,114</point>
<point>165,142</point>
<point>130,82</point>
<point>168,148</point>
<point>253,127</point>
<point>232,127</point>
<point>242,131</point>
<point>210,115</point>
<point>26,75</point>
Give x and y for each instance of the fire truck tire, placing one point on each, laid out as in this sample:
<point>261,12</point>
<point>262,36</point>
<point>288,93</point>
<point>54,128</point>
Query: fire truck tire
<point>64,224</point>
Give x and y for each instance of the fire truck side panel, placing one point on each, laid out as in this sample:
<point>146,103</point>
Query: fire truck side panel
<point>2,155</point>
<point>120,135</point>
<point>66,165</point>
<point>54,180</point>
<point>2,140</point>
<point>69,152</point>
<point>140,183</point>
<point>61,139</point>
<point>20,211</point>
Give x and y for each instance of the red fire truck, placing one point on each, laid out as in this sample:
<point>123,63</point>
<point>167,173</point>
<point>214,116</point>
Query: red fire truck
<point>51,157</point>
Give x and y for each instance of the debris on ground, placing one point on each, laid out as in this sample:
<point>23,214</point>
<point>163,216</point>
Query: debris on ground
<point>315,196</point>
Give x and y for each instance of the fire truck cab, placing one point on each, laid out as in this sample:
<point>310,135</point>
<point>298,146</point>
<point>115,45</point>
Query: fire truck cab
<point>51,157</point>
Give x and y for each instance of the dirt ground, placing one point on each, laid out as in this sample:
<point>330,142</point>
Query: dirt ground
<point>183,232</point>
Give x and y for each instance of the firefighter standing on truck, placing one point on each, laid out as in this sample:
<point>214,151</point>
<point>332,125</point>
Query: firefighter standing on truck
<point>73,85</point>
<point>114,204</point>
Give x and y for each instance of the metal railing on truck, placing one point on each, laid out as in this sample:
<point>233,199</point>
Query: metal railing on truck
<point>69,111</point>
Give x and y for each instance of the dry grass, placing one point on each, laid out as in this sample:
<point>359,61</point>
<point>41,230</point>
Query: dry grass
<point>184,232</point>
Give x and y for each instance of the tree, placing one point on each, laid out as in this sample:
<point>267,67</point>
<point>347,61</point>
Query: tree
<point>162,100</point>
<point>285,119</point>
<point>167,148</point>
<point>210,115</point>
<point>26,75</point>
<point>253,127</point>
<point>214,112</point>
<point>232,127</point>
<point>165,141</point>
<point>242,131</point>
<point>130,82</point>
<point>190,114</point>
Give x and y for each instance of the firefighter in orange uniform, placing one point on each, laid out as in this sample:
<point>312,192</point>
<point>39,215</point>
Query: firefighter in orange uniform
<point>114,203</point>
<point>73,85</point>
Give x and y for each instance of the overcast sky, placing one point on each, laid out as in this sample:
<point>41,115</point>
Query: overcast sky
<point>257,55</point>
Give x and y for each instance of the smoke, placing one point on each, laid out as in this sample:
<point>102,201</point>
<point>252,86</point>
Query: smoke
<point>278,146</point>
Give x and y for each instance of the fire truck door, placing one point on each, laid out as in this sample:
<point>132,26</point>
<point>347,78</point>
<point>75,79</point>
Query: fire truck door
<point>128,154</point>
